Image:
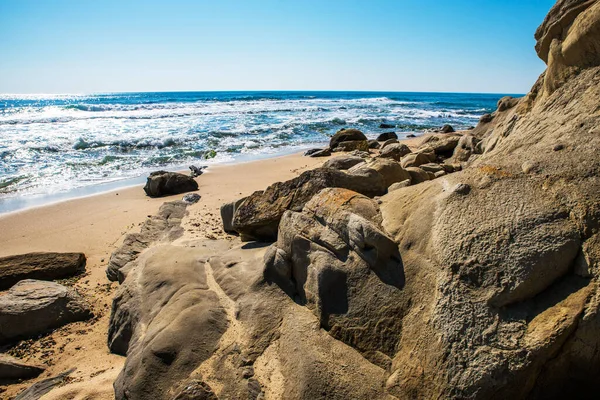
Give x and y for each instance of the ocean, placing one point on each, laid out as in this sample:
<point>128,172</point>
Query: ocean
<point>60,146</point>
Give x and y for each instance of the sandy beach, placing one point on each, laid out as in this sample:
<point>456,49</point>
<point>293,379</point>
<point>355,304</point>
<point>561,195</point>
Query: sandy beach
<point>96,225</point>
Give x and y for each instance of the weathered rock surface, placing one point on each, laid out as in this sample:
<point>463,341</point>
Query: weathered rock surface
<point>414,160</point>
<point>343,162</point>
<point>42,266</point>
<point>166,225</point>
<point>360,145</point>
<point>442,145</point>
<point>394,151</point>
<point>259,214</point>
<point>481,284</point>
<point>346,135</point>
<point>12,368</point>
<point>390,171</point>
<point>32,307</point>
<point>163,183</point>
<point>227,213</point>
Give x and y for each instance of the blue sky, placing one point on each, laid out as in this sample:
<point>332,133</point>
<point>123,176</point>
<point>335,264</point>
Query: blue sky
<point>67,46</point>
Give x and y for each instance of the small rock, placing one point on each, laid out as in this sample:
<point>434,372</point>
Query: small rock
<point>388,142</point>
<point>386,126</point>
<point>395,151</point>
<point>197,171</point>
<point>447,129</point>
<point>414,160</point>
<point>558,147</point>
<point>161,183</point>
<point>343,162</point>
<point>310,152</point>
<point>346,135</point>
<point>191,198</point>
<point>528,167</point>
<point>411,135</point>
<point>352,145</point>
<point>461,188</point>
<point>374,144</point>
<point>399,185</point>
<point>321,153</point>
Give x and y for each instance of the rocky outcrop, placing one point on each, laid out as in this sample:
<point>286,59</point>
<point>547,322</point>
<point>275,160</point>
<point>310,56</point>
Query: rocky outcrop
<point>163,183</point>
<point>259,214</point>
<point>32,307</point>
<point>480,284</point>
<point>227,212</point>
<point>166,225</point>
<point>42,266</point>
<point>12,368</point>
<point>360,145</point>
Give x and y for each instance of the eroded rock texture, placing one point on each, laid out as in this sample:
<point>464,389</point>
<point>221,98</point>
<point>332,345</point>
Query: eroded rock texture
<point>480,284</point>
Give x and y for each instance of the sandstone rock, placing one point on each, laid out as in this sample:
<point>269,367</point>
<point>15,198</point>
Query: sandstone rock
<point>163,183</point>
<point>32,307</point>
<point>374,144</point>
<point>506,103</point>
<point>485,118</point>
<point>12,368</point>
<point>387,136</point>
<point>558,147</point>
<point>360,145</point>
<point>390,171</point>
<point>414,160</point>
<point>432,167</point>
<point>166,225</point>
<point>42,266</point>
<point>258,216</point>
<point>399,185</point>
<point>442,145</point>
<point>388,142</point>
<point>417,175</point>
<point>227,213</point>
<point>334,257</point>
<point>346,135</point>
<point>467,145</point>
<point>395,151</point>
<point>168,320</point>
<point>343,162</point>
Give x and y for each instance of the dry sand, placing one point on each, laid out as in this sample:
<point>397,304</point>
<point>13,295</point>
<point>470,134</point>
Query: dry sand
<point>96,225</point>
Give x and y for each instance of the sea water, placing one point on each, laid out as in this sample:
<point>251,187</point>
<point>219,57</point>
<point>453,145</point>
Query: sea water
<point>52,146</point>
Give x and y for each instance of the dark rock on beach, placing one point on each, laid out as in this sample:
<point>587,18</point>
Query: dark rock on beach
<point>163,183</point>
<point>12,368</point>
<point>386,126</point>
<point>42,266</point>
<point>346,135</point>
<point>387,136</point>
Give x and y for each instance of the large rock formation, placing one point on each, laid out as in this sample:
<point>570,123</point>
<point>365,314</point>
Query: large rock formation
<point>482,284</point>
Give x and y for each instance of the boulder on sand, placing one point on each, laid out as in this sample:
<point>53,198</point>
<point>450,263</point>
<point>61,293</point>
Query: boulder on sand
<point>42,266</point>
<point>32,307</point>
<point>346,135</point>
<point>447,129</point>
<point>163,183</point>
<point>390,171</point>
<point>387,136</point>
<point>12,368</point>
<point>414,160</point>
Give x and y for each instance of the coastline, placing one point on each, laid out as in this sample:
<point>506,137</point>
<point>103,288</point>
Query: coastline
<point>96,226</point>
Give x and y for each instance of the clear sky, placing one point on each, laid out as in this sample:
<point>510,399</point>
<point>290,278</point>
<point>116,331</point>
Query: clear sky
<point>79,46</point>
